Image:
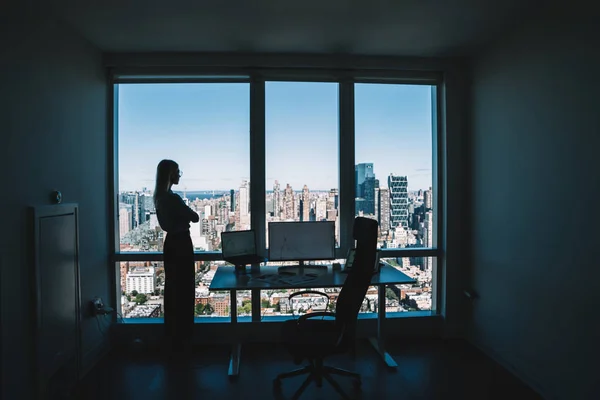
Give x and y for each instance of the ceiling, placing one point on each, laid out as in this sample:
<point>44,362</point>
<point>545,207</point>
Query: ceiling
<point>366,27</point>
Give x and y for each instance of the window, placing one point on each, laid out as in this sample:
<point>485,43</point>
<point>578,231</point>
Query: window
<point>302,163</point>
<point>399,298</point>
<point>205,129</point>
<point>142,287</point>
<point>419,296</point>
<point>394,173</point>
<point>302,160</point>
<point>142,290</point>
<point>394,163</point>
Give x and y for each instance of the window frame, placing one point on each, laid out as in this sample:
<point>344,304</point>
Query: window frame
<point>257,78</point>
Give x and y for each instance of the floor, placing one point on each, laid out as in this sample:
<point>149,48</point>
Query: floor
<point>427,369</point>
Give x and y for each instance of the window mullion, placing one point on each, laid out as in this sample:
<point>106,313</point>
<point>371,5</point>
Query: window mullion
<point>257,176</point>
<point>346,160</point>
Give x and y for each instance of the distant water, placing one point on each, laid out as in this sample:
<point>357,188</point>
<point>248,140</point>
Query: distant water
<point>208,194</point>
<point>203,195</point>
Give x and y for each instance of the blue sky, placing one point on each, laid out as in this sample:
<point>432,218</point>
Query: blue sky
<point>205,128</point>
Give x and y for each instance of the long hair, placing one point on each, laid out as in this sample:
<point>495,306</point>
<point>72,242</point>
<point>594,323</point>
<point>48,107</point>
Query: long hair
<point>164,170</point>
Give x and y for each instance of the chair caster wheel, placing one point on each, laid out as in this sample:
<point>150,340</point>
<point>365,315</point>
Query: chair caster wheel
<point>277,383</point>
<point>356,383</point>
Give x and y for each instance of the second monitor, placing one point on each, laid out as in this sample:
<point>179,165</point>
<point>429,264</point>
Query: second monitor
<point>301,241</point>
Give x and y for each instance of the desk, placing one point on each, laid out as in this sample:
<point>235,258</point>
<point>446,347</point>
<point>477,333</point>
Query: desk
<point>226,279</point>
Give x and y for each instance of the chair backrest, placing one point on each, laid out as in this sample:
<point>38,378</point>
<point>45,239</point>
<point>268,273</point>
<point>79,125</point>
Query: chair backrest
<point>358,280</point>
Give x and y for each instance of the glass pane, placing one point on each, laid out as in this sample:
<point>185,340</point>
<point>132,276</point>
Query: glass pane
<point>142,287</point>
<point>205,129</point>
<point>411,297</point>
<point>302,167</point>
<point>302,152</point>
<point>217,303</point>
<point>393,174</point>
<point>419,296</point>
<point>210,304</point>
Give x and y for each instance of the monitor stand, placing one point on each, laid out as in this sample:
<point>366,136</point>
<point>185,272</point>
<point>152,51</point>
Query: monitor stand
<point>300,267</point>
<point>292,269</point>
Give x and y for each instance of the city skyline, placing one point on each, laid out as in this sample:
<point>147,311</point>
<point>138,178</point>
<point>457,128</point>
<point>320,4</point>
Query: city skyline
<point>204,127</point>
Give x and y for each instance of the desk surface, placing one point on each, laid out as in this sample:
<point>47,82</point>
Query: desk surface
<point>226,279</point>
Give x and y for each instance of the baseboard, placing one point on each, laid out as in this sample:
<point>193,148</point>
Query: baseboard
<point>91,358</point>
<point>526,378</point>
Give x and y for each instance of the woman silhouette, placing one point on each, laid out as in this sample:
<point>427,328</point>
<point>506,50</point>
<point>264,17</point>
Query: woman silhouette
<point>174,217</point>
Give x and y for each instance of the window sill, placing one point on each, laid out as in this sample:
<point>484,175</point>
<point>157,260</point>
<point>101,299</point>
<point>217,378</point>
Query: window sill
<point>274,318</point>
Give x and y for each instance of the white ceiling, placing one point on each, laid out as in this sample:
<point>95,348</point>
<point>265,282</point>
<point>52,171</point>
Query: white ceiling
<point>373,27</point>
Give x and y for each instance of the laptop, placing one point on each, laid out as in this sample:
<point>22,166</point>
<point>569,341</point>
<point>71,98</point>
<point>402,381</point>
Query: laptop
<point>239,248</point>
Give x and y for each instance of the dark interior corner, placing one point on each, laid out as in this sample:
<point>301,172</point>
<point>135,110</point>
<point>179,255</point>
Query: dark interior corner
<point>518,136</point>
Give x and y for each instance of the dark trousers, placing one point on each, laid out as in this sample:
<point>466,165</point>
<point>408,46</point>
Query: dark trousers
<point>179,288</point>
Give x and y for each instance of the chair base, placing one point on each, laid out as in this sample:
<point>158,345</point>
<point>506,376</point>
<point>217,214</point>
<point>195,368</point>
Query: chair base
<point>316,372</point>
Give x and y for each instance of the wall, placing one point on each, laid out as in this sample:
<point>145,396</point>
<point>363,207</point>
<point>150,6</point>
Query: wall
<point>535,215</point>
<point>454,273</point>
<point>53,117</point>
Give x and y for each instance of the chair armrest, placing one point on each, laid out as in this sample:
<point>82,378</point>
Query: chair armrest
<point>291,296</point>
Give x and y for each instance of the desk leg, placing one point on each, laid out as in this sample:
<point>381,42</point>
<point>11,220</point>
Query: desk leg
<point>379,342</point>
<point>234,360</point>
<point>236,347</point>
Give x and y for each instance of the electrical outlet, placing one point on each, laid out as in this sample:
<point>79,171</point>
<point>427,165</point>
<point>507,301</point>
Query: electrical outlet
<point>96,305</point>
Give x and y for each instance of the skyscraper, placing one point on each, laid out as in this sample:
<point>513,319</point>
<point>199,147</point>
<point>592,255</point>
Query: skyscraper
<point>289,206</point>
<point>243,205</point>
<point>398,186</point>
<point>232,200</point>
<point>305,204</point>
<point>428,199</point>
<point>368,189</point>
<point>428,238</point>
<point>361,173</point>
<point>332,204</point>
<point>125,219</point>
<point>276,200</point>
<point>321,212</point>
<point>382,200</point>
<point>136,211</point>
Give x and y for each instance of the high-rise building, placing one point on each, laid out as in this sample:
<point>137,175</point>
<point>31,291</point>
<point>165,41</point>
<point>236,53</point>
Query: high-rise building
<point>204,227</point>
<point>398,186</point>
<point>141,279</point>
<point>305,204</point>
<point>136,211</point>
<point>269,205</point>
<point>289,203</point>
<point>377,207</point>
<point>125,219</point>
<point>428,199</point>
<point>359,206</point>
<point>428,238</point>
<point>362,171</point>
<point>223,212</point>
<point>321,207</point>
<point>276,200</point>
<point>312,216</point>
<point>369,186</point>
<point>382,212</point>
<point>332,200</point>
<point>243,206</point>
<point>232,200</point>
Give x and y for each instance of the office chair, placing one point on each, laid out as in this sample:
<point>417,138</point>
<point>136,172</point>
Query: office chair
<point>314,339</point>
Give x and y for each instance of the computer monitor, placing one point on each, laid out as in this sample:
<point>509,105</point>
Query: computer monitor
<point>301,241</point>
<point>238,243</point>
